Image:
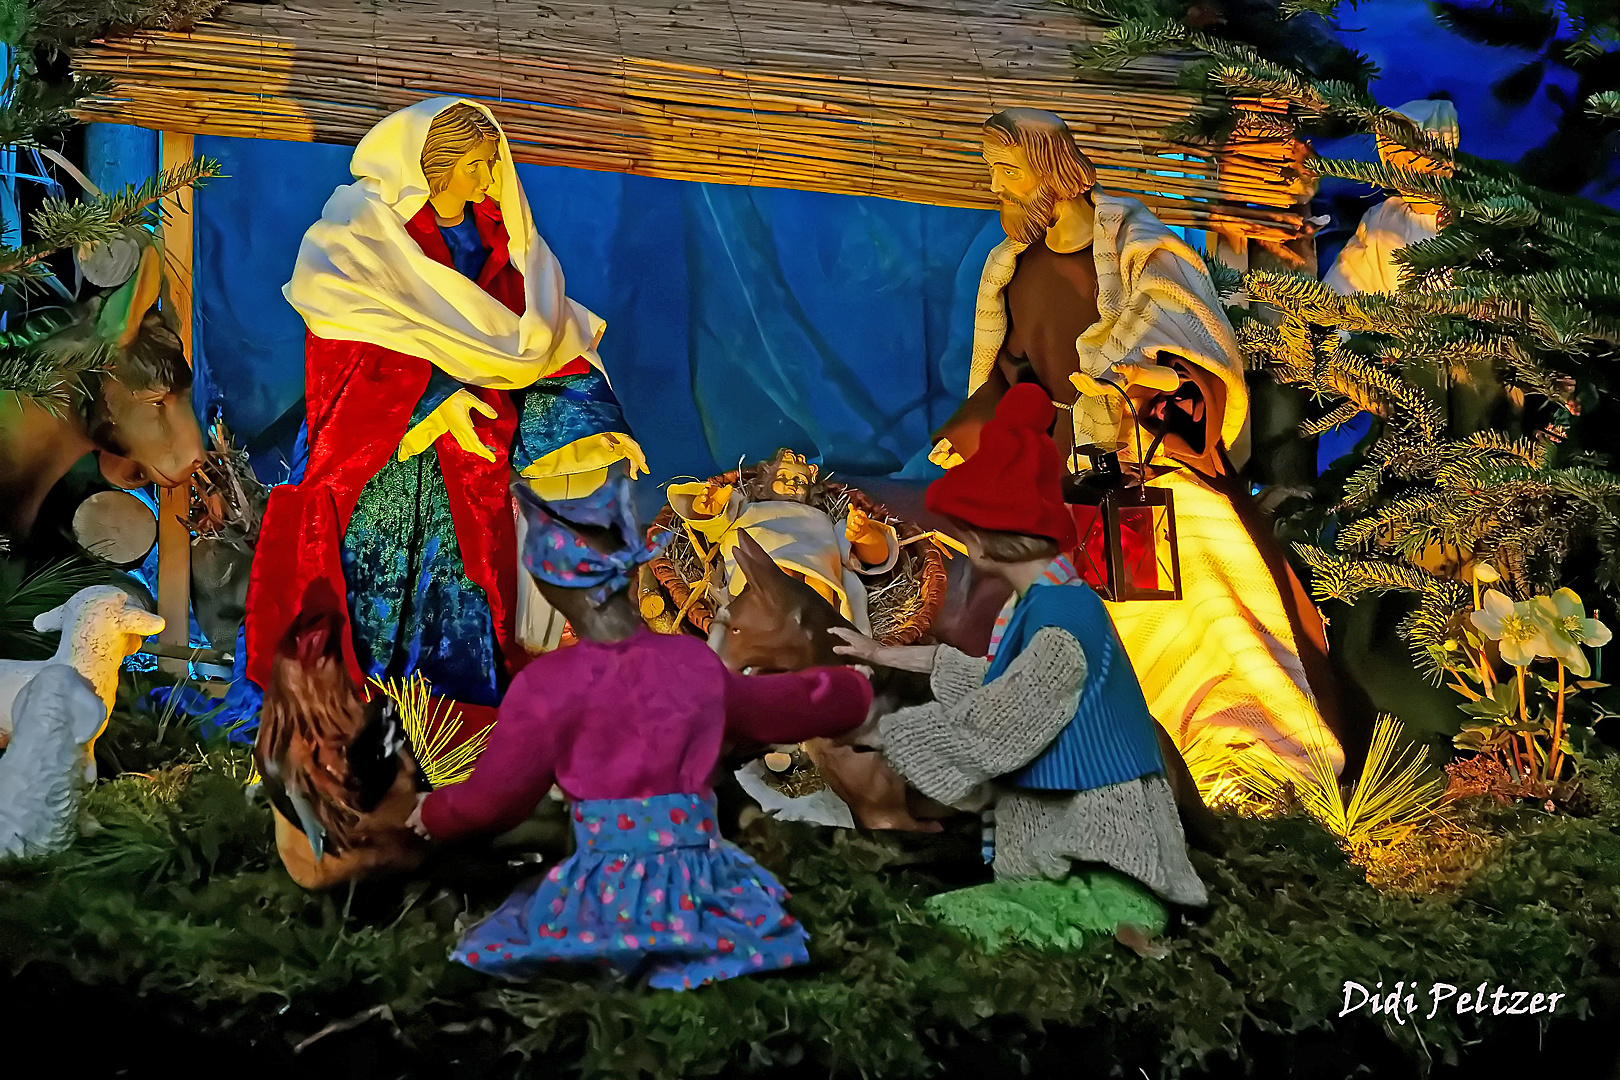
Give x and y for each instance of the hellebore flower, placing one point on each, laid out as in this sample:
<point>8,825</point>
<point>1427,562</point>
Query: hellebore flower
<point>1515,626</point>
<point>1568,630</point>
<point>1485,573</point>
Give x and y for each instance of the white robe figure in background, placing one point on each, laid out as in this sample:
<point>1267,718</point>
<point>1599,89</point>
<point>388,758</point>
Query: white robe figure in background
<point>1367,263</point>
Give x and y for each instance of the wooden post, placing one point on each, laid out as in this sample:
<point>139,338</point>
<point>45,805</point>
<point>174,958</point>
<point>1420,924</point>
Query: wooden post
<point>174,505</point>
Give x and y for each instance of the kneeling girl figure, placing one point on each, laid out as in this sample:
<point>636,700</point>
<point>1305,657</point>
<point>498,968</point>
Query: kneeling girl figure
<point>1051,730</point>
<point>629,724</point>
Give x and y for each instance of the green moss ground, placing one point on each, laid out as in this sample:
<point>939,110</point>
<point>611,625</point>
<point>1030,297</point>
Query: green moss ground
<point>179,899</point>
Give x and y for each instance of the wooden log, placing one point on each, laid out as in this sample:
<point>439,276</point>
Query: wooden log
<point>174,504</point>
<point>116,526</point>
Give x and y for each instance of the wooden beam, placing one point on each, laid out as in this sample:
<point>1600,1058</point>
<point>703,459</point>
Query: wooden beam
<point>174,505</point>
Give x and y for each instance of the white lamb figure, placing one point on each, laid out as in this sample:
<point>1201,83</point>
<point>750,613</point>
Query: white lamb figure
<point>100,626</point>
<point>42,781</point>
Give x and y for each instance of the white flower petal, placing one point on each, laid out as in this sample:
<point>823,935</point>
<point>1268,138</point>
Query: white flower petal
<point>1487,624</point>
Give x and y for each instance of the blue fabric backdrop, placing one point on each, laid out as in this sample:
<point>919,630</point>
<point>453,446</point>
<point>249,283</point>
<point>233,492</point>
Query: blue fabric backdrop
<point>738,319</point>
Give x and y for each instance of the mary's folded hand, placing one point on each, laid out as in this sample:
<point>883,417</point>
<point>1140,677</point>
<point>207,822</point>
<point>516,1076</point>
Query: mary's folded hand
<point>453,417</point>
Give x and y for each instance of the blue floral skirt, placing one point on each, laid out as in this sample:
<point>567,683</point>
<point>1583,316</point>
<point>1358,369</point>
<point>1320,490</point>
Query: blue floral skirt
<point>650,888</point>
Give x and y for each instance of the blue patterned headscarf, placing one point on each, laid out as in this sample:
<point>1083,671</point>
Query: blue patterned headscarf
<point>555,553</point>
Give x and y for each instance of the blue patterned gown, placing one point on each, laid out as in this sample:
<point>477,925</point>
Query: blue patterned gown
<point>412,606</point>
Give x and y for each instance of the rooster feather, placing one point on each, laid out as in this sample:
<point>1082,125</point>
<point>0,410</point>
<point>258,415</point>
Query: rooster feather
<point>329,758</point>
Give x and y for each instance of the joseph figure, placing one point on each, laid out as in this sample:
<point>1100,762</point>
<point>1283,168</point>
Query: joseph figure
<point>1093,284</point>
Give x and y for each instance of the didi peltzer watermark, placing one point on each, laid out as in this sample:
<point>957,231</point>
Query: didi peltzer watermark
<point>1408,999</point>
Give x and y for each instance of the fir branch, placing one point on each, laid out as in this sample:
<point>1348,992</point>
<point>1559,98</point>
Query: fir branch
<point>60,224</point>
<point>1363,485</point>
<point>1228,281</point>
<point>34,111</point>
<point>1340,415</point>
<point>1528,451</point>
<point>49,381</point>
<point>1398,518</point>
<point>1340,577</point>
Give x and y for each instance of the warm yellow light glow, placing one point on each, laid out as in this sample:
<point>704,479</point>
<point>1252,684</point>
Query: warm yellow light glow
<point>1218,765</point>
<point>1216,660</point>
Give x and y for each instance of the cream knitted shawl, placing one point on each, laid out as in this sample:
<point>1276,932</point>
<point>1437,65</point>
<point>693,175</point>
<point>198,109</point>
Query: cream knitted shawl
<point>1153,293</point>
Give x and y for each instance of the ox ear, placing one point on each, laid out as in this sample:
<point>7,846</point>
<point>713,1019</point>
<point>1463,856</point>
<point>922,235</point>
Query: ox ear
<point>123,310</point>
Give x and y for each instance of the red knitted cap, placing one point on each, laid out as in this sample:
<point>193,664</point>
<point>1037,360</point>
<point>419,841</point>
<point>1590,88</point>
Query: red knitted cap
<point>1014,482</point>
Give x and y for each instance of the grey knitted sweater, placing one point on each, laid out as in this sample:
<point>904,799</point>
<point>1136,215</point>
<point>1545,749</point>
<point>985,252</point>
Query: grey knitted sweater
<point>954,748</point>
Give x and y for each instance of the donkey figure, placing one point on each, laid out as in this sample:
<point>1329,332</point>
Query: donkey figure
<point>779,623</point>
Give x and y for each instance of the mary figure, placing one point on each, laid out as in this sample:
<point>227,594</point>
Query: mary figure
<point>442,356</point>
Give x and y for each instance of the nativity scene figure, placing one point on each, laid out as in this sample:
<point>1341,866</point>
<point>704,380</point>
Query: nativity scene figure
<point>1116,319</point>
<point>443,355</point>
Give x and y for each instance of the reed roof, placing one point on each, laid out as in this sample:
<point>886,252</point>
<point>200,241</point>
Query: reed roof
<point>856,97</point>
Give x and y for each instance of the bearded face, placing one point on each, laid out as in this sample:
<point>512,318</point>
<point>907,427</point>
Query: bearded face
<point>1028,199</point>
<point>1026,219</point>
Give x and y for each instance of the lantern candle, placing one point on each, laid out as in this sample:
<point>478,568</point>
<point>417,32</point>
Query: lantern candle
<point>1127,530</point>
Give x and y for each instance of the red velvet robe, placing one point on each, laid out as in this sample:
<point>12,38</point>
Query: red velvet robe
<point>359,401</point>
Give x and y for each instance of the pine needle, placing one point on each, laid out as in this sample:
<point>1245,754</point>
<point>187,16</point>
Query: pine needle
<point>1396,793</point>
<point>1218,767</point>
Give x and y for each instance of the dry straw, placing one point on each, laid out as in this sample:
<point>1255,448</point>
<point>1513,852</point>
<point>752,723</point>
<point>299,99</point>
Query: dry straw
<point>881,97</point>
<point>433,728</point>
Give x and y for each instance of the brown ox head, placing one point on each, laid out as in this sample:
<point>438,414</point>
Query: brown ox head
<point>134,396</point>
<point>139,414</point>
<point>777,622</point>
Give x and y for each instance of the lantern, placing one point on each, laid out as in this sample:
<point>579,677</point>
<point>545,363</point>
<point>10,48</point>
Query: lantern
<point>1127,548</point>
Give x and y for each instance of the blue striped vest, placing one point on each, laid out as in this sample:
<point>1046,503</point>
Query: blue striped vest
<point>1111,738</point>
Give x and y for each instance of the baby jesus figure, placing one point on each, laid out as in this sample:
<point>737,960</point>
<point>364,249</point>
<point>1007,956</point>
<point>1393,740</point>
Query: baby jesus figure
<point>831,556</point>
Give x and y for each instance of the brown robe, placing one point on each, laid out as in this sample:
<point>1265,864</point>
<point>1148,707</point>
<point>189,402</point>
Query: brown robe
<point>1051,301</point>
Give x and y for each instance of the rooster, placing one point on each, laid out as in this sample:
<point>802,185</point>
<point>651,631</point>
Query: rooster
<point>337,768</point>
